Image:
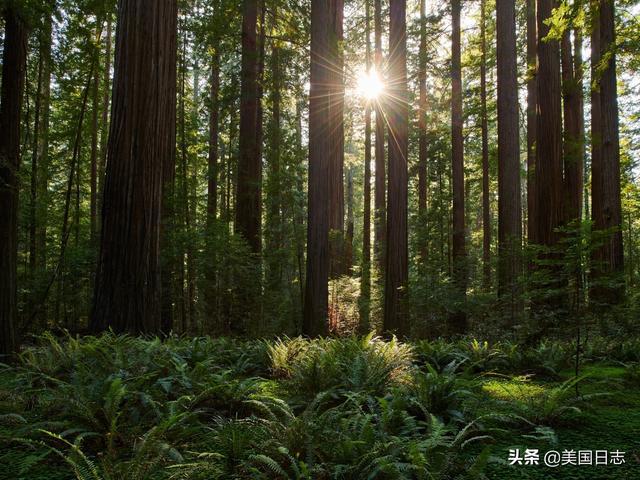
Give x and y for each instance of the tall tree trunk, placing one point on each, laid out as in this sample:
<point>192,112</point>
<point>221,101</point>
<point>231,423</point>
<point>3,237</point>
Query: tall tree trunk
<point>13,78</point>
<point>93,200</point>
<point>42,163</point>
<point>274,215</point>
<point>397,256</point>
<point>548,169</point>
<point>365,287</point>
<point>380,212</point>
<point>104,121</point>
<point>509,195</point>
<point>532,94</point>
<point>212,189</point>
<point>486,207</point>
<point>336,163</point>
<point>422,124</point>
<point>348,238</point>
<point>249,166</point>
<point>549,133</point>
<point>572,143</point>
<point>458,319</point>
<point>142,136</point>
<point>316,291</point>
<point>607,211</point>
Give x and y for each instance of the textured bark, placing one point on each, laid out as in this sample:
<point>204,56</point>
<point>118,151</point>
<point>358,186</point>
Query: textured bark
<point>212,189</point>
<point>397,110</point>
<point>348,237</point>
<point>365,287</point>
<point>104,121</point>
<point>212,166</point>
<point>141,140</point>
<point>572,141</point>
<point>607,211</point>
<point>422,120</point>
<point>249,165</point>
<point>458,319</point>
<point>274,193</point>
<point>380,213</point>
<point>13,78</point>
<point>509,196</point>
<point>336,162</point>
<point>93,178</point>
<point>316,290</point>
<point>486,208</point>
<point>548,171</point>
<point>532,94</point>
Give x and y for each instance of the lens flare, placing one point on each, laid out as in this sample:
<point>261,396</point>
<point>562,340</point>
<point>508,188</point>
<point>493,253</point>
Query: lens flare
<point>370,85</point>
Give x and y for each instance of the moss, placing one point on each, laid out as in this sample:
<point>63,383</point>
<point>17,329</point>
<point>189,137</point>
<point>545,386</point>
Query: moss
<point>516,388</point>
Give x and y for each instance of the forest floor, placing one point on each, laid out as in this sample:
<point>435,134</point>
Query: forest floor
<point>118,407</point>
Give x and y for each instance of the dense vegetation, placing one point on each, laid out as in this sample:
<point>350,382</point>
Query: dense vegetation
<point>119,407</point>
<point>206,206</point>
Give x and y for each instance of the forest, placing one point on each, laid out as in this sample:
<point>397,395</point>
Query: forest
<point>319,239</point>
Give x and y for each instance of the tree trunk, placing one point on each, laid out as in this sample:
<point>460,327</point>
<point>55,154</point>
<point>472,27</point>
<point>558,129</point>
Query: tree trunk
<point>532,94</point>
<point>380,213</point>
<point>316,291</point>
<point>249,165</point>
<point>141,138</point>
<point>607,211</point>
<point>397,272</point>
<point>13,78</point>
<point>104,127</point>
<point>336,163</point>
<point>93,198</point>
<point>572,143</point>
<point>365,287</point>
<point>212,189</point>
<point>486,208</point>
<point>548,172</point>
<point>458,319</point>
<point>274,193</point>
<point>422,125</point>
<point>509,195</point>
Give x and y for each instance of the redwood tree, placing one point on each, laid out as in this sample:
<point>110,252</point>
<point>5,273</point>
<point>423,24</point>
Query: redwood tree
<point>548,168</point>
<point>14,61</point>
<point>397,110</point>
<point>509,206</point>
<point>607,211</point>
<point>380,178</point>
<point>248,213</point>
<point>316,290</point>
<point>458,318</point>
<point>141,142</point>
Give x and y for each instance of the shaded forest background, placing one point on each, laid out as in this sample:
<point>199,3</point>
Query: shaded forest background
<point>216,167</point>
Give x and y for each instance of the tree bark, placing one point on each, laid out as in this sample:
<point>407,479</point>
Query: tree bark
<point>572,143</point>
<point>365,286</point>
<point>380,213</point>
<point>397,257</point>
<point>458,319</point>
<point>141,140</point>
<point>607,211</point>
<point>316,290</point>
<point>212,188</point>
<point>486,208</point>
<point>509,195</point>
<point>13,79</point>
<point>532,93</point>
<point>422,124</point>
<point>336,163</point>
<point>548,171</point>
<point>249,166</point>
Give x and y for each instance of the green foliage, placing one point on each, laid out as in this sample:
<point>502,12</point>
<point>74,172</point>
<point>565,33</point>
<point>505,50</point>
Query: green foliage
<point>114,407</point>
